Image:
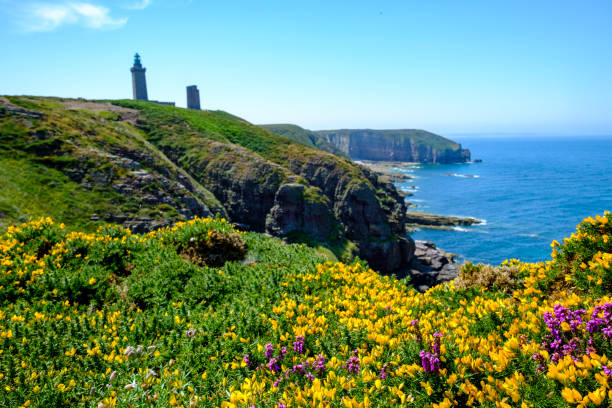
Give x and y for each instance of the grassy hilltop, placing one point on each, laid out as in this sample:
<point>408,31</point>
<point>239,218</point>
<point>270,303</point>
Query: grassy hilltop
<point>203,315</point>
<point>70,159</point>
<point>144,165</point>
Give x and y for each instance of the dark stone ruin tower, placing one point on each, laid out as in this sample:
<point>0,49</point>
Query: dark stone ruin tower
<point>139,82</point>
<point>193,97</point>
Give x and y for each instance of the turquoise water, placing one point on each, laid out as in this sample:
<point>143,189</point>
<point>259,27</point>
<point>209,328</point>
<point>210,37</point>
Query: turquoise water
<point>528,191</point>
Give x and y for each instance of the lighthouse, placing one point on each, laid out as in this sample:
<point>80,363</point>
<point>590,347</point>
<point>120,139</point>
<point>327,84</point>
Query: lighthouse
<point>139,82</point>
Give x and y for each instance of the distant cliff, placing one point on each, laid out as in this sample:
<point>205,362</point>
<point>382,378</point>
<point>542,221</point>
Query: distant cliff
<point>408,145</point>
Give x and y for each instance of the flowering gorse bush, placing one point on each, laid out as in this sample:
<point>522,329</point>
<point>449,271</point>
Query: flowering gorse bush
<point>117,319</point>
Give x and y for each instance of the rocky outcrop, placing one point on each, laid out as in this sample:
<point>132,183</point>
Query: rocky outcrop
<point>244,183</point>
<point>402,145</point>
<point>152,197</point>
<point>370,209</point>
<point>297,210</point>
<point>340,200</point>
<point>433,221</point>
<point>431,266</point>
<point>322,196</point>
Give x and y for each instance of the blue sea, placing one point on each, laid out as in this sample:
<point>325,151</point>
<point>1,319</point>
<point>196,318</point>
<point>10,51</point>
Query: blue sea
<point>527,190</point>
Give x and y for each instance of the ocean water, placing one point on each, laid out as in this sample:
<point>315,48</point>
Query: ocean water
<point>527,190</point>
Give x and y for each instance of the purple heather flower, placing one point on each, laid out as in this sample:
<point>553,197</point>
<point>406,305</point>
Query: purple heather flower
<point>273,365</point>
<point>436,344</point>
<point>607,370</point>
<point>430,362</point>
<point>352,365</point>
<point>319,364</point>
<point>298,344</point>
<point>281,405</point>
<point>582,337</point>
<point>383,372</point>
<point>269,350</point>
<point>247,361</point>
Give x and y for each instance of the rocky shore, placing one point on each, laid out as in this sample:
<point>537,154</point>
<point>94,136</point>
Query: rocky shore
<point>417,219</point>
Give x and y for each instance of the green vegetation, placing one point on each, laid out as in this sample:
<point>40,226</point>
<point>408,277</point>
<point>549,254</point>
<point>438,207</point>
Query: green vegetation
<point>305,137</point>
<point>66,159</point>
<point>29,189</point>
<point>202,315</point>
<point>182,130</point>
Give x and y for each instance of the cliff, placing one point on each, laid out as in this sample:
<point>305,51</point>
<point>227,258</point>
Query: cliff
<point>406,145</point>
<point>145,165</point>
<point>401,145</point>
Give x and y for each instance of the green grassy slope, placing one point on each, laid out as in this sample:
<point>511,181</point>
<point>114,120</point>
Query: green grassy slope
<point>183,129</point>
<point>304,136</point>
<point>66,162</point>
<point>29,190</point>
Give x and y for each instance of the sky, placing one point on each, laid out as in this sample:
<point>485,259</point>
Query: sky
<point>537,67</point>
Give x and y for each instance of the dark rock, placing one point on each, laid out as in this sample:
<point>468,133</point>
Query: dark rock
<point>434,221</point>
<point>8,108</point>
<point>293,212</point>
<point>430,266</point>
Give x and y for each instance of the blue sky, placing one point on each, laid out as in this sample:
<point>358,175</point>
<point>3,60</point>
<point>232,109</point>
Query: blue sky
<point>542,67</point>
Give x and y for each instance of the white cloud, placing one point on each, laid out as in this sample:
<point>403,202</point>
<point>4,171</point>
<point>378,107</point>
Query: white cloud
<point>139,5</point>
<point>48,17</point>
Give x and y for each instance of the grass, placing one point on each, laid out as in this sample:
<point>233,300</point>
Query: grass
<point>38,155</point>
<point>183,130</point>
<point>305,137</point>
<point>29,190</point>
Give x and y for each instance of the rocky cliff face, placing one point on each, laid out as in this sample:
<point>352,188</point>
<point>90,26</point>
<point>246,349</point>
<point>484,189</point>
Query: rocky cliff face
<point>285,188</point>
<point>317,194</point>
<point>396,145</point>
<point>370,210</point>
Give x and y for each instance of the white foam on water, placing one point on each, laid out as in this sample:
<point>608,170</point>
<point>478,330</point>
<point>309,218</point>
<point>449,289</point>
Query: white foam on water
<point>460,229</point>
<point>463,175</point>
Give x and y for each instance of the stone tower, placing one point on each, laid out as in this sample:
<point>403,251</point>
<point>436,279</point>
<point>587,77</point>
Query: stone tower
<point>139,82</point>
<point>193,97</point>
